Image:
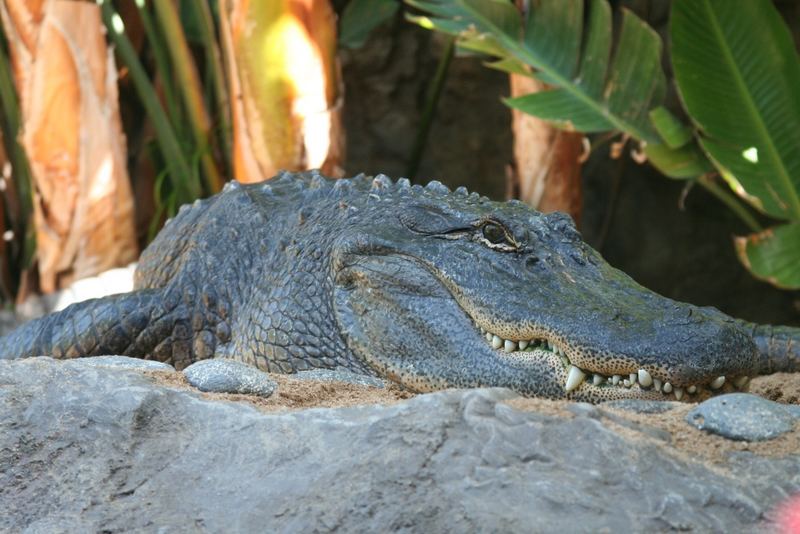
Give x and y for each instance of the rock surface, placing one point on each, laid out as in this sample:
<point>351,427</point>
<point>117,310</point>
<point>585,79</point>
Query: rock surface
<point>743,417</point>
<point>96,448</point>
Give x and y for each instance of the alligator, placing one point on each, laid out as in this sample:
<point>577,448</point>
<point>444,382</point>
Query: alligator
<point>422,286</point>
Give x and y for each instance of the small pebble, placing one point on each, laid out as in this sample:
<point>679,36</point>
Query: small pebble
<point>340,375</point>
<point>126,363</point>
<point>742,416</point>
<point>229,376</point>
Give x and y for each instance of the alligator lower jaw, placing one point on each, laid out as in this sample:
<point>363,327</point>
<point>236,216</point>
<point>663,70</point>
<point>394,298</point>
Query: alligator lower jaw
<point>576,377</point>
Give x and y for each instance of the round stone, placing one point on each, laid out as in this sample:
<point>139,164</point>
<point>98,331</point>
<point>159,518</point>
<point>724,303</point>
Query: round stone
<point>742,416</point>
<point>229,376</point>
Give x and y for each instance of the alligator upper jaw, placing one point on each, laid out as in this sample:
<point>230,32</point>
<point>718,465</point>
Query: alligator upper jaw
<point>586,383</point>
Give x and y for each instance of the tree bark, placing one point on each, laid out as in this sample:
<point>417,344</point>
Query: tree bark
<point>285,86</point>
<point>71,131</point>
<point>547,161</point>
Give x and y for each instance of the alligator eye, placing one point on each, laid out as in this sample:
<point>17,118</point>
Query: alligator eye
<point>495,234</point>
<point>496,237</point>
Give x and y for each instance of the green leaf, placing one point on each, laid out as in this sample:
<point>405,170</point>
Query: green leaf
<point>685,162</point>
<point>360,17</point>
<point>773,255</point>
<point>510,65</point>
<point>674,133</point>
<point>738,74</point>
<point>593,91</point>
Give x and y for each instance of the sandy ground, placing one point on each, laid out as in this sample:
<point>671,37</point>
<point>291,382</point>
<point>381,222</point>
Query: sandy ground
<point>666,429</point>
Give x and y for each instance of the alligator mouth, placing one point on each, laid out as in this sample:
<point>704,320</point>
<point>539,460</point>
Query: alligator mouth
<point>637,383</point>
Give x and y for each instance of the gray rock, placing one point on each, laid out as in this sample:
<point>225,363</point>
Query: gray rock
<point>793,409</point>
<point>340,375</point>
<point>642,406</point>
<point>229,376</point>
<point>128,363</point>
<point>742,416</point>
<point>92,448</point>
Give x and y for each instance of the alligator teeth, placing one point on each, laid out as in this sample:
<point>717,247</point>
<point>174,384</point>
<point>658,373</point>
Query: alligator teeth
<point>575,378</point>
<point>740,381</point>
<point>496,342</point>
<point>644,378</point>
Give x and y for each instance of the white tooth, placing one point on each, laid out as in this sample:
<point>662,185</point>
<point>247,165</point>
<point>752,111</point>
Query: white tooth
<point>615,380</point>
<point>667,387</point>
<point>509,346</point>
<point>597,380</point>
<point>741,381</point>
<point>679,393</point>
<point>691,390</point>
<point>717,382</point>
<point>626,383</point>
<point>564,360</point>
<point>496,342</point>
<point>657,384</point>
<point>523,345</point>
<point>489,337</point>
<point>644,378</point>
<point>575,378</point>
<point>632,378</point>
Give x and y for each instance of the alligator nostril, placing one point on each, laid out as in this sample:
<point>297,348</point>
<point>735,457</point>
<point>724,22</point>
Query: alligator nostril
<point>531,262</point>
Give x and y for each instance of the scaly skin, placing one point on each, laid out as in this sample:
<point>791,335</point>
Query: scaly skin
<point>427,288</point>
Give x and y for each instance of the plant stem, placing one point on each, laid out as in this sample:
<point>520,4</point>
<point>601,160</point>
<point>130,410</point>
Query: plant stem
<point>189,84</point>
<point>434,92</point>
<point>725,196</point>
<point>184,181</point>
<point>163,66</point>
<point>217,75</point>
<point>21,211</point>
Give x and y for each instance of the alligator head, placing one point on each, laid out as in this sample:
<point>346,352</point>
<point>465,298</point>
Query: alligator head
<point>436,289</point>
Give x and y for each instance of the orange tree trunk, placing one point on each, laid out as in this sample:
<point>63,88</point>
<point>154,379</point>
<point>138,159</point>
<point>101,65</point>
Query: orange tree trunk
<point>67,85</point>
<point>547,168</point>
<point>285,86</point>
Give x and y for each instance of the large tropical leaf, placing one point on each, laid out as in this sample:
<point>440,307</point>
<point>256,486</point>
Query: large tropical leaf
<point>773,255</point>
<point>592,91</point>
<point>739,76</point>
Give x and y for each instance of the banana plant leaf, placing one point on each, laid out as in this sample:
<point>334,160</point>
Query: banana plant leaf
<point>773,254</point>
<point>593,90</point>
<point>738,74</point>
